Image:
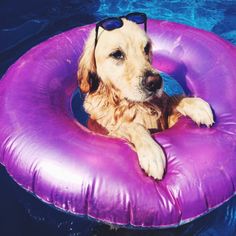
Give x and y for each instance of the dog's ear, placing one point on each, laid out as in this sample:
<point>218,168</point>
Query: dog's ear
<point>87,75</point>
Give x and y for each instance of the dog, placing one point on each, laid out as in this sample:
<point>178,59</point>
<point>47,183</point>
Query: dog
<point>124,93</point>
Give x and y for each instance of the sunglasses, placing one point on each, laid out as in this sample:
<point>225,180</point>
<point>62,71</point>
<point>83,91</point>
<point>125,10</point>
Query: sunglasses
<point>116,22</point>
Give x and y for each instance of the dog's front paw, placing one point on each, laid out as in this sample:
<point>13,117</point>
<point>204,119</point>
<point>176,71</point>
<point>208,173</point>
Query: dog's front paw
<point>197,109</point>
<point>152,160</point>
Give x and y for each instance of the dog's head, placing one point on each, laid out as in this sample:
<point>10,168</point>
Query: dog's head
<point>121,60</point>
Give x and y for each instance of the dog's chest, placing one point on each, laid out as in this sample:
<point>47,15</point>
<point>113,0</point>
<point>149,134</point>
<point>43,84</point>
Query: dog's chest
<point>111,117</point>
<point>150,119</point>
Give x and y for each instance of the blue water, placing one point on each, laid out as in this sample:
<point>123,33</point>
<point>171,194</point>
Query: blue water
<point>215,16</point>
<point>25,23</point>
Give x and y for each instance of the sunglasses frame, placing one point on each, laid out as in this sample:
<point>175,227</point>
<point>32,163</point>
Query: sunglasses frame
<point>100,23</point>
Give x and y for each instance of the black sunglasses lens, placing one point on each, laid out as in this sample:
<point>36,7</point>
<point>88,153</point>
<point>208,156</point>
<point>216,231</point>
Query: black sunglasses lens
<point>115,23</point>
<point>111,24</point>
<point>137,18</point>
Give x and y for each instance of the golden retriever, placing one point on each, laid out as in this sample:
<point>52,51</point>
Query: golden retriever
<point>124,93</point>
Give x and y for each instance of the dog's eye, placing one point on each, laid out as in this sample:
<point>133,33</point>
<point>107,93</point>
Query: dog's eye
<point>118,55</point>
<point>147,48</point>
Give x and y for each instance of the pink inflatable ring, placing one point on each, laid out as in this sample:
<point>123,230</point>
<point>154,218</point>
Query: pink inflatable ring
<point>50,154</point>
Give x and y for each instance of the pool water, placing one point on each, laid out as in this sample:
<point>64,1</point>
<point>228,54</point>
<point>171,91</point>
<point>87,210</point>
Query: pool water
<point>215,16</point>
<point>25,23</point>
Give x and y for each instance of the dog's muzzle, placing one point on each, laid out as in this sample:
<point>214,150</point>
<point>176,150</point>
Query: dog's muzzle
<point>152,81</point>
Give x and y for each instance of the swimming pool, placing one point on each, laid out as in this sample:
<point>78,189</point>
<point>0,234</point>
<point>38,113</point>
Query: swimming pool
<point>25,23</point>
<point>215,16</point>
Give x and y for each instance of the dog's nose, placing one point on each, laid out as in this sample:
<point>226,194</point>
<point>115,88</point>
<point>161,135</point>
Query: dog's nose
<point>152,82</point>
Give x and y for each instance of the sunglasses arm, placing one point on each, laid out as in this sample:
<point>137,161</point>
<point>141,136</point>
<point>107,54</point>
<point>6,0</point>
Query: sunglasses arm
<point>145,25</point>
<point>96,35</point>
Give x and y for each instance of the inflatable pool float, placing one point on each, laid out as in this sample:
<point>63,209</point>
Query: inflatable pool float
<point>50,154</point>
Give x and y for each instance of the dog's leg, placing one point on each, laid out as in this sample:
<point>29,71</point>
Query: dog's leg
<point>151,157</point>
<point>197,109</point>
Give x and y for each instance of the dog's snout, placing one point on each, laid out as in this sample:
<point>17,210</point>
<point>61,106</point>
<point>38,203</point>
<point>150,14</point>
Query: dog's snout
<point>152,82</point>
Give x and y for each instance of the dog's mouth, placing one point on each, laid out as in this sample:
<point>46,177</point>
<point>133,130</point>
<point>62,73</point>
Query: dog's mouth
<point>145,96</point>
<point>157,94</point>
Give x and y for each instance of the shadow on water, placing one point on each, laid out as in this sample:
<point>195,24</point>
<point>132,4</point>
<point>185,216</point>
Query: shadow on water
<point>25,23</point>
<point>25,215</point>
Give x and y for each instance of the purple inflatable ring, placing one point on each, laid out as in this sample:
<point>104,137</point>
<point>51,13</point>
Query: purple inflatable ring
<point>49,153</point>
